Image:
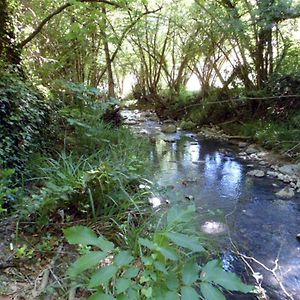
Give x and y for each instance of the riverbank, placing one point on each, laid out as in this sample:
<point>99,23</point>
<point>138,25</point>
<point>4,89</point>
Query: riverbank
<point>234,207</point>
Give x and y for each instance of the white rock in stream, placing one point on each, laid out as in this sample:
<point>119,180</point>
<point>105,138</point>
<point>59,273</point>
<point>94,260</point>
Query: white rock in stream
<point>256,173</point>
<point>271,173</point>
<point>292,169</point>
<point>285,193</point>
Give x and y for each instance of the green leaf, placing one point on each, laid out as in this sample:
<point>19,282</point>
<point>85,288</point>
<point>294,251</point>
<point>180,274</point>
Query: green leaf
<point>131,273</point>
<point>85,236</point>
<point>147,243</point>
<point>168,253</point>
<point>102,276</point>
<point>122,285</point>
<point>209,292</point>
<point>172,281</point>
<point>123,258</point>
<point>101,296</point>
<point>160,267</point>
<point>147,292</point>
<point>186,241</point>
<point>178,215</point>
<point>188,293</point>
<point>85,262</point>
<point>190,273</point>
<point>213,272</point>
<point>171,295</point>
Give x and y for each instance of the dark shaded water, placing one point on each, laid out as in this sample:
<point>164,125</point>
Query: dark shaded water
<point>231,205</point>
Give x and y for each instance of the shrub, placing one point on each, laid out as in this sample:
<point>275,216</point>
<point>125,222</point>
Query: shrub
<point>24,120</point>
<point>162,266</point>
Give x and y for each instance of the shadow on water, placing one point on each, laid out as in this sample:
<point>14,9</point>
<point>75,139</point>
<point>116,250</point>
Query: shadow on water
<point>233,208</point>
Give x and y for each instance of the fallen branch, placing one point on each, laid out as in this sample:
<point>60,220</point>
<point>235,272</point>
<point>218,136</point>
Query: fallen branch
<point>45,276</point>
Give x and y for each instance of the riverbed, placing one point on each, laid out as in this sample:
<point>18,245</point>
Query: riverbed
<point>236,211</point>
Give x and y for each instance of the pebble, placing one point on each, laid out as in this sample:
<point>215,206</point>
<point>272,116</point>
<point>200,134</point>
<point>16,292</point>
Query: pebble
<point>256,173</point>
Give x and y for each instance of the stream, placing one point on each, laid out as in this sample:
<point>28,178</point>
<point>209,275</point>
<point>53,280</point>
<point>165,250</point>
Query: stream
<point>232,207</point>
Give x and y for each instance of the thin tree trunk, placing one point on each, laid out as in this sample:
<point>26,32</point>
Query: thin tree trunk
<point>111,83</point>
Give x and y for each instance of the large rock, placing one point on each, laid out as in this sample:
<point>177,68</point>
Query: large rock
<point>256,173</point>
<point>292,169</point>
<point>286,193</point>
<point>168,128</point>
<point>251,150</point>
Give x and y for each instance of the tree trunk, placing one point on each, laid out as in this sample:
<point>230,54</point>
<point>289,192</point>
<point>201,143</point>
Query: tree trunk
<point>9,52</point>
<point>111,83</point>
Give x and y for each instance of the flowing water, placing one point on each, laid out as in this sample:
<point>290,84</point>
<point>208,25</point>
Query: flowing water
<point>233,208</point>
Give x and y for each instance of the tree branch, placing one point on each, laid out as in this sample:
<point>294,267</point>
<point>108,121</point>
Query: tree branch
<point>53,14</point>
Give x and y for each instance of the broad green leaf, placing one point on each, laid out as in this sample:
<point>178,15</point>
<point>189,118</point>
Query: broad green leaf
<point>123,258</point>
<point>186,241</point>
<point>85,262</point>
<point>213,272</point>
<point>122,285</point>
<point>189,293</point>
<point>209,292</point>
<point>231,282</point>
<point>147,243</point>
<point>133,294</point>
<point>131,273</point>
<point>178,215</point>
<point>160,267</point>
<point>171,295</point>
<point>85,236</point>
<point>168,253</point>
<point>172,281</point>
<point>190,273</point>
<point>209,269</point>
<point>147,292</point>
<point>103,275</point>
<point>101,296</point>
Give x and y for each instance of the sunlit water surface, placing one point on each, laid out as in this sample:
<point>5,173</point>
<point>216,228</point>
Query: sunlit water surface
<point>232,208</point>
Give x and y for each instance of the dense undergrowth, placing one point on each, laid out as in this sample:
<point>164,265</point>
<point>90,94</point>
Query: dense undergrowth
<point>96,174</point>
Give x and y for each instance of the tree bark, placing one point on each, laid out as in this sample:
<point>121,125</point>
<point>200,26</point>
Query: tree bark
<point>110,77</point>
<point>9,52</point>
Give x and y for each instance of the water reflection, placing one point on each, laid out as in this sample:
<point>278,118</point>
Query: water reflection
<point>228,201</point>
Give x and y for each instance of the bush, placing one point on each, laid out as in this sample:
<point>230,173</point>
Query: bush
<point>97,174</point>
<point>25,118</point>
<point>162,265</point>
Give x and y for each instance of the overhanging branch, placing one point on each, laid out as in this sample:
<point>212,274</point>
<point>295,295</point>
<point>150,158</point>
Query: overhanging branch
<point>56,12</point>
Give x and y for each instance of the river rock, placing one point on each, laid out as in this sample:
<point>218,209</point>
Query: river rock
<point>189,197</point>
<point>168,128</point>
<point>292,169</point>
<point>272,173</point>
<point>251,150</point>
<point>153,118</point>
<point>256,173</point>
<point>285,193</point>
<point>242,144</point>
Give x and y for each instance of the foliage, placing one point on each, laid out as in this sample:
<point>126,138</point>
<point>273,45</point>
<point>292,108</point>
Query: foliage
<point>96,175</point>
<point>7,192</point>
<point>24,120</point>
<point>164,266</point>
